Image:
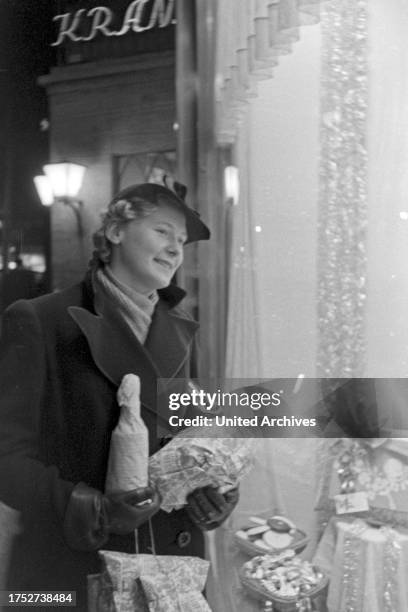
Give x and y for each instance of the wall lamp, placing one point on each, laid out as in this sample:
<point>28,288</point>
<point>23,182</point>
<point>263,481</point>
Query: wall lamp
<point>231,184</point>
<point>61,182</point>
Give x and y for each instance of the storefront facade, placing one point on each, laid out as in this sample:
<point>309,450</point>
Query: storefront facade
<point>305,274</point>
<point>131,98</point>
<point>114,112</point>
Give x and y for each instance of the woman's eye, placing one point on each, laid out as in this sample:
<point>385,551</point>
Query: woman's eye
<point>160,230</point>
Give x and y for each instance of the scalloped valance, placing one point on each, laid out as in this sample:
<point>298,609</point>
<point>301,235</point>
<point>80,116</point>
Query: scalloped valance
<point>251,36</point>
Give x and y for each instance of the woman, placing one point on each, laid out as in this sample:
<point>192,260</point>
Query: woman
<point>62,358</point>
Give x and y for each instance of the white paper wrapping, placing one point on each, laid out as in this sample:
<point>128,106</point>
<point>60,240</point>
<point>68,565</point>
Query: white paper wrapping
<point>129,447</point>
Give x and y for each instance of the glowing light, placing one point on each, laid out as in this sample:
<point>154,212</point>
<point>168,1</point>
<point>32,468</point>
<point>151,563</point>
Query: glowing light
<point>298,383</point>
<point>44,190</point>
<point>231,184</point>
<point>65,178</point>
<point>404,215</point>
<point>258,228</point>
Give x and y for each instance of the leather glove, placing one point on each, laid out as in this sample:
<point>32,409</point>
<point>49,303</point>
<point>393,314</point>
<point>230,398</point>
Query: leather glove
<point>127,511</point>
<point>91,516</point>
<point>208,508</point>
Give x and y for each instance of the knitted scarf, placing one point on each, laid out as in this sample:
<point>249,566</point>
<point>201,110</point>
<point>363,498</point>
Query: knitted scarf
<point>135,308</point>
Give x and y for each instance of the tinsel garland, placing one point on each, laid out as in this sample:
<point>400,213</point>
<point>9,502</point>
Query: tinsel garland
<point>353,587</point>
<point>343,190</point>
<point>392,555</point>
<point>354,568</point>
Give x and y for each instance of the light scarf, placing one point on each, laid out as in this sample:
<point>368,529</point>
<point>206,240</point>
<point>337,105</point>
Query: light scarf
<point>135,308</point>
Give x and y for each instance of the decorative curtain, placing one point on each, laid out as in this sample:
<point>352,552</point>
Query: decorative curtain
<point>243,351</point>
<point>252,34</point>
<point>251,37</point>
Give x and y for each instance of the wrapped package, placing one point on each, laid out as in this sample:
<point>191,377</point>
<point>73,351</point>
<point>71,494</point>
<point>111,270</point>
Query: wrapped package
<point>176,590</point>
<point>147,583</point>
<point>100,594</point>
<point>129,447</point>
<point>377,468</point>
<point>187,463</point>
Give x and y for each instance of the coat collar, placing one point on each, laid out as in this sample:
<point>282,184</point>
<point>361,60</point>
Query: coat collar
<point>116,352</point>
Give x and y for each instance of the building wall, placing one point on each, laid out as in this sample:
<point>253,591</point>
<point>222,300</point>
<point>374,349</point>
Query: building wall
<point>99,110</point>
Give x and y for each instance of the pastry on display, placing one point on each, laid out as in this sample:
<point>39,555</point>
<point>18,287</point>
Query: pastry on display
<point>275,534</point>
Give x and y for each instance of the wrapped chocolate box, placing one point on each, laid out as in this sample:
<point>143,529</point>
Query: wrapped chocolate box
<point>366,477</point>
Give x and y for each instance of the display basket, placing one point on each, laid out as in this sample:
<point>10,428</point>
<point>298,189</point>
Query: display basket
<point>298,603</point>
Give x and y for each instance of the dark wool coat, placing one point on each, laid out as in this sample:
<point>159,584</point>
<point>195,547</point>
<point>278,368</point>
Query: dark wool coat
<point>60,367</point>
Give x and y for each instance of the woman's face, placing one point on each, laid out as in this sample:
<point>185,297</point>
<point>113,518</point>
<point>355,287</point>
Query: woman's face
<point>147,252</point>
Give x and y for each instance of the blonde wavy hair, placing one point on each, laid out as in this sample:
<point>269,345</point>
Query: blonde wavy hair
<point>118,213</point>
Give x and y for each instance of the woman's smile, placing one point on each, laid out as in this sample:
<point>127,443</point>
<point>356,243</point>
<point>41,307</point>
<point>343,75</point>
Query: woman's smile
<point>148,251</point>
<point>166,264</point>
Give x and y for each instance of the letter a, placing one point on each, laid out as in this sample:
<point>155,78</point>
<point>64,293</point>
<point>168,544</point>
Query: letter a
<point>133,17</point>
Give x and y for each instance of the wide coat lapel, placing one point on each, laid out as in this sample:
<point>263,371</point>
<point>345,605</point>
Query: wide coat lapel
<point>170,337</point>
<point>117,352</point>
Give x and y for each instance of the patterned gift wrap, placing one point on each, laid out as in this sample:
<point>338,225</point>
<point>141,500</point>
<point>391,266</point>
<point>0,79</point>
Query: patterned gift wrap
<point>147,583</point>
<point>187,463</point>
<point>100,594</point>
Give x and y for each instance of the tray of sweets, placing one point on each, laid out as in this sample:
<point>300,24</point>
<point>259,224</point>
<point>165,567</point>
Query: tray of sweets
<point>284,579</point>
<point>270,535</point>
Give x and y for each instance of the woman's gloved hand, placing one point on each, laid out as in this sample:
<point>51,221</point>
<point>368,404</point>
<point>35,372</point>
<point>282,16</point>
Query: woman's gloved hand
<point>208,508</point>
<point>127,511</point>
<point>91,517</point>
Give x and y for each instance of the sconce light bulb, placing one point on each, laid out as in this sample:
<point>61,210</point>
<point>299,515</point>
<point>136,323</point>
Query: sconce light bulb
<point>231,184</point>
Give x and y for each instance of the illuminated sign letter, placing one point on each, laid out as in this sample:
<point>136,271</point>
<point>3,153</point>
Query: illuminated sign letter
<point>160,15</point>
<point>133,17</point>
<point>67,30</point>
<point>137,18</point>
<point>102,17</point>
